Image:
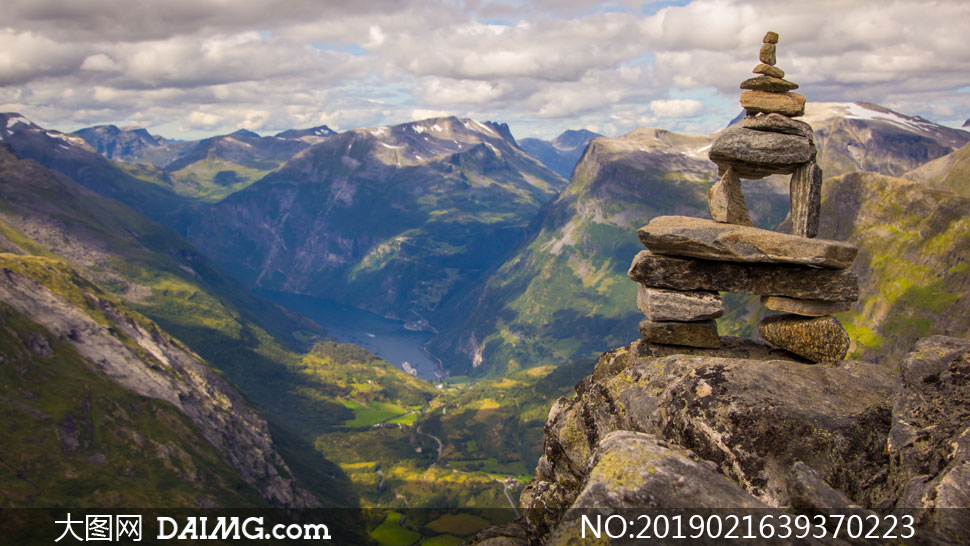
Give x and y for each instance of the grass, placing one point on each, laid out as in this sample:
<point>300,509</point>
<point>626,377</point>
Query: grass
<point>390,532</point>
<point>373,414</point>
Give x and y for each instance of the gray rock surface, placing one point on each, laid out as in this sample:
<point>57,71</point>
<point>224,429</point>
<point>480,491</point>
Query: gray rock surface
<point>617,360</point>
<point>632,469</point>
<point>754,419</point>
<point>757,153</point>
<point>929,444</point>
<point>701,333</point>
<point>819,339</point>
<point>775,280</point>
<point>662,304</point>
<point>712,240</point>
<point>727,202</point>
<point>806,199</point>
<point>807,308</point>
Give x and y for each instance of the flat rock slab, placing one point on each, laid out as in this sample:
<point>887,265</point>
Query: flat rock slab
<point>806,308</point>
<point>770,84</point>
<point>757,153</point>
<point>788,104</point>
<point>801,282</point>
<point>819,339</point>
<point>662,304</point>
<point>777,123</point>
<point>712,240</point>
<point>701,334</point>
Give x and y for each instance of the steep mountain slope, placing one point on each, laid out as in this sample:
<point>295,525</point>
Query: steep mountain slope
<point>562,153</point>
<point>393,219</point>
<point>857,136</point>
<point>950,172</point>
<point>132,145</point>
<point>218,166</point>
<point>95,365</point>
<point>71,155</point>
<point>43,213</point>
<point>565,295</point>
<point>913,275</point>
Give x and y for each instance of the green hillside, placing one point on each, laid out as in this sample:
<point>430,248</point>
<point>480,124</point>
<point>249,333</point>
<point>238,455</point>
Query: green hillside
<point>913,242</point>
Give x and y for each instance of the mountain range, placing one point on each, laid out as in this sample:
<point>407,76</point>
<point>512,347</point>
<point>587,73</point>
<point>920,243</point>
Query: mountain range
<point>148,248</point>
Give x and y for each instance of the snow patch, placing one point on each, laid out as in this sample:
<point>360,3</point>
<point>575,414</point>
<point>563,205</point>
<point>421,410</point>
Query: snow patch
<point>386,145</point>
<point>13,120</point>
<point>417,128</point>
<point>380,131</point>
<point>485,127</point>
<point>436,127</point>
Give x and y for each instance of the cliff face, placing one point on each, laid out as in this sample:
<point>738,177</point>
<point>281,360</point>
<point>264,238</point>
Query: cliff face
<point>669,428</point>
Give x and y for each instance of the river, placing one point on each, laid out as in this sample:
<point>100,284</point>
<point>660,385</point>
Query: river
<point>387,338</point>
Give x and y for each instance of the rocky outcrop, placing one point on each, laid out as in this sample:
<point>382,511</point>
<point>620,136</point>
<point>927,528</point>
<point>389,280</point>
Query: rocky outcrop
<point>693,431</point>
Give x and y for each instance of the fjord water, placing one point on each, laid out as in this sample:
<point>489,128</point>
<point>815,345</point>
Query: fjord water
<point>387,338</point>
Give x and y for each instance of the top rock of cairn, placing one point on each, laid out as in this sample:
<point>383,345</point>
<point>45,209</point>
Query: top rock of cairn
<point>770,92</point>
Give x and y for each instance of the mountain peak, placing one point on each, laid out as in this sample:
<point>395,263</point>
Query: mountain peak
<point>245,133</point>
<point>574,138</point>
<point>966,123</point>
<point>319,131</point>
<point>10,119</point>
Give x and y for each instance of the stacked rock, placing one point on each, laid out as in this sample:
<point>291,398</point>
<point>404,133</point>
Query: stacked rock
<point>691,260</point>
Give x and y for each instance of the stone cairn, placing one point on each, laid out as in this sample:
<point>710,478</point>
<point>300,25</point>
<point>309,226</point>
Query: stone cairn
<point>690,260</point>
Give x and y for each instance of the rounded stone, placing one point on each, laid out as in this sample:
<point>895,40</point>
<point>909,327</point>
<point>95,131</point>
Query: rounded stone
<point>771,37</point>
<point>767,54</point>
<point>819,339</point>
<point>769,70</point>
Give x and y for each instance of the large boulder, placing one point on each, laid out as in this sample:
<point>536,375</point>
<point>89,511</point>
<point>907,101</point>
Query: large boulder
<point>758,153</point>
<point>753,418</point>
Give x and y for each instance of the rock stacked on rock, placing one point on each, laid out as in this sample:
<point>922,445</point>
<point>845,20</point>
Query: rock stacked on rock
<point>768,141</point>
<point>691,260</point>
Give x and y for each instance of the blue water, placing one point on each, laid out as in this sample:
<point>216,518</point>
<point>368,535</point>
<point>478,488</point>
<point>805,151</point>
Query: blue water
<point>386,338</point>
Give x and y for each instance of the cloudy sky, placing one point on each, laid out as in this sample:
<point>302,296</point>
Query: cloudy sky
<point>191,68</point>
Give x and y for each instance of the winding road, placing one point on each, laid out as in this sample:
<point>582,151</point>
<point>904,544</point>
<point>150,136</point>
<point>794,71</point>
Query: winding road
<point>436,439</point>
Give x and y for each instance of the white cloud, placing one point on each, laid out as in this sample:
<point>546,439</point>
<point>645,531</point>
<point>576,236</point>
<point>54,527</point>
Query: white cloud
<point>676,108</point>
<point>210,65</point>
